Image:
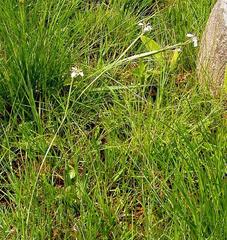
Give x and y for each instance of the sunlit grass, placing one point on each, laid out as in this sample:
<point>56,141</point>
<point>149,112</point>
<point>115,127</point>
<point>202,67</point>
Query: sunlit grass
<point>128,151</point>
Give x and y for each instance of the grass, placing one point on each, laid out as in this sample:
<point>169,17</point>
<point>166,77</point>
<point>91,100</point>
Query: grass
<point>129,151</point>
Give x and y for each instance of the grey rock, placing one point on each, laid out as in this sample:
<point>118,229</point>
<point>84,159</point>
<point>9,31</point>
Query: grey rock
<point>212,57</point>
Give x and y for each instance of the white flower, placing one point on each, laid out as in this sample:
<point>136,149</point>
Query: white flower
<point>190,35</point>
<point>193,38</point>
<point>75,72</point>
<point>145,27</point>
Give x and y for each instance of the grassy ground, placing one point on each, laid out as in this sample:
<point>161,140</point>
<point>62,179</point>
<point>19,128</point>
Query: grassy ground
<point>132,150</point>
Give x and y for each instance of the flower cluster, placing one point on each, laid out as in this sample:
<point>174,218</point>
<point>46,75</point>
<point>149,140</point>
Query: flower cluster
<point>75,72</point>
<point>193,38</point>
<point>146,27</point>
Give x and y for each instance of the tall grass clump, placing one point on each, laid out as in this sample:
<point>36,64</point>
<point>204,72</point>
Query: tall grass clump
<point>35,51</point>
<point>41,40</point>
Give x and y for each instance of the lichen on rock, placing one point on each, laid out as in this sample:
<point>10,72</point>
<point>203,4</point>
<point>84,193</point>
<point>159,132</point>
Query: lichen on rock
<point>212,58</point>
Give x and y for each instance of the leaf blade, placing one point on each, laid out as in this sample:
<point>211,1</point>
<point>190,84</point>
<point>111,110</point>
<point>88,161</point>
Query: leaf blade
<point>152,45</point>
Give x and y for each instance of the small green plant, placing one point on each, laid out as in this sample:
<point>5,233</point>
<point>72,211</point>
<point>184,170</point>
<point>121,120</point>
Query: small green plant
<point>162,59</point>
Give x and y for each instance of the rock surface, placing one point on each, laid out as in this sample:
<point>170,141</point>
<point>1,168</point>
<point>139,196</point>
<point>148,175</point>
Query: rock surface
<point>212,58</point>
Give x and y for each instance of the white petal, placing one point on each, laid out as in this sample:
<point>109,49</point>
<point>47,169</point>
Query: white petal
<point>73,74</point>
<point>148,28</point>
<point>81,73</point>
<point>190,35</point>
<point>195,41</point>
